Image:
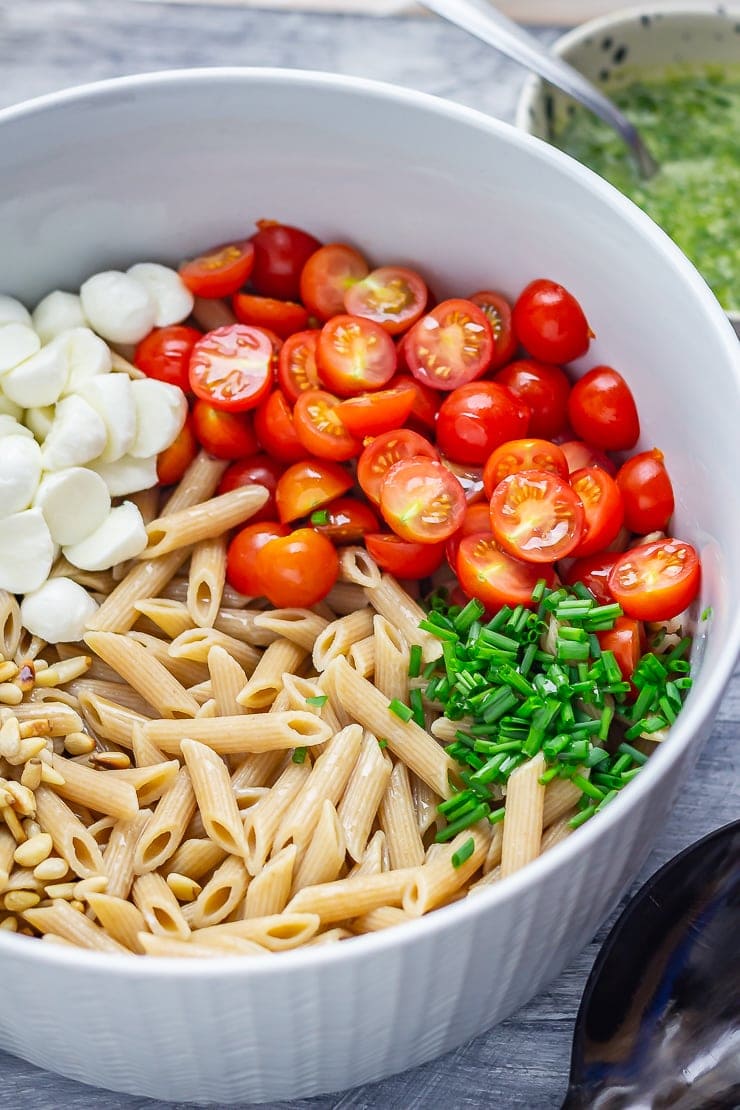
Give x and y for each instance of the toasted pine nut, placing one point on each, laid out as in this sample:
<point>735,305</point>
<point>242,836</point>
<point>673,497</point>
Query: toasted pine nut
<point>50,869</point>
<point>11,820</point>
<point>110,761</point>
<point>35,728</point>
<point>10,738</point>
<point>8,671</point>
<point>9,924</point>
<point>79,743</point>
<point>184,888</point>
<point>50,775</point>
<point>31,777</point>
<point>24,801</point>
<point>66,670</point>
<point>28,749</point>
<point>19,900</point>
<point>60,890</point>
<point>10,694</point>
<point>34,851</point>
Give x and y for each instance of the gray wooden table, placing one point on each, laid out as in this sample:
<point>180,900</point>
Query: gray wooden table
<point>49,44</point>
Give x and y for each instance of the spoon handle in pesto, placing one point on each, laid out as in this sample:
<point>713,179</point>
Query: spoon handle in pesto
<point>490,25</point>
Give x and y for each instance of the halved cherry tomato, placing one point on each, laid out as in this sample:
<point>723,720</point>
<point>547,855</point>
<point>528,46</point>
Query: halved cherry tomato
<point>402,558</point>
<point>227,435</point>
<point>647,492</point>
<point>284,318</point>
<point>297,570</point>
<point>422,501</point>
<point>320,428</point>
<point>593,572</point>
<point>580,454</point>
<point>523,454</point>
<point>241,556</point>
<point>656,581</point>
<point>625,640</point>
<point>354,355</point>
<point>476,521</point>
<point>380,455</point>
<point>536,516</point>
<point>602,507</point>
<point>602,410</point>
<point>164,354</point>
<point>326,277</point>
<point>476,418</point>
<point>498,313</point>
<point>426,400</point>
<point>221,271</point>
<point>280,253</point>
<point>470,478</point>
<point>451,345</point>
<point>550,323</point>
<point>495,578</point>
<point>257,470</point>
<point>297,364</point>
<point>345,520</point>
<point>544,388</point>
<point>373,413</point>
<point>275,428</point>
<point>308,485</point>
<point>231,367</point>
<point>391,296</point>
<point>175,459</point>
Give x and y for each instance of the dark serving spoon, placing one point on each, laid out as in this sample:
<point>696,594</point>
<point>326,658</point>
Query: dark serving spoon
<point>659,1022</point>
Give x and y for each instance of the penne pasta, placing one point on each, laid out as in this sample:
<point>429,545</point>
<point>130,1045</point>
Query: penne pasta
<point>227,681</point>
<point>144,673</point>
<point>221,895</point>
<point>361,656</point>
<point>391,660</point>
<point>236,735</point>
<point>347,898</point>
<point>176,528</point>
<point>165,829</point>
<point>525,803</point>
<point>375,859</point>
<point>261,821</point>
<point>276,932</point>
<point>280,657</point>
<point>397,816</point>
<point>241,624</point>
<point>119,854</point>
<point>149,782</point>
<point>438,879</point>
<point>324,857</point>
<point>159,907</point>
<point>385,917</point>
<point>206,580</point>
<point>363,795</point>
<point>121,920</point>
<point>144,752</point>
<point>102,791</point>
<point>338,637</point>
<point>214,796</point>
<point>358,567</point>
<point>560,797</point>
<point>194,645</point>
<point>62,920</point>
<point>269,891</point>
<point>392,602</point>
<point>170,617</point>
<point>301,626</point>
<point>71,839</point>
<point>556,832</point>
<point>345,597</point>
<point>195,858</point>
<point>11,625</point>
<point>255,771</point>
<point>108,720</point>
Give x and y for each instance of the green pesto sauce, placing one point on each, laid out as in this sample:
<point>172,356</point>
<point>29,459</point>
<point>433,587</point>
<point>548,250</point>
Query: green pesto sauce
<point>691,123</point>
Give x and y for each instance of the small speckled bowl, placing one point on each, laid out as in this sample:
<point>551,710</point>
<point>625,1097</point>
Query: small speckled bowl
<point>615,49</point>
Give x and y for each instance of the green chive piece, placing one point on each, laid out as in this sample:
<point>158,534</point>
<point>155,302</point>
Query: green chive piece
<point>299,755</point>
<point>415,661</point>
<point>401,710</point>
<point>320,516</point>
<point>382,743</point>
<point>462,823</point>
<point>318,700</point>
<point>463,853</point>
<point>417,707</point>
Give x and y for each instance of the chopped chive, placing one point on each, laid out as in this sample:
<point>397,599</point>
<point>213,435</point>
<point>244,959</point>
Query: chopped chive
<point>321,516</point>
<point>706,613</point>
<point>400,710</point>
<point>382,743</point>
<point>415,661</point>
<point>470,613</point>
<point>496,816</point>
<point>587,787</point>
<point>539,590</point>
<point>417,707</point>
<point>595,757</point>
<point>299,755</point>
<point>635,753</point>
<point>462,823</point>
<point>317,699</point>
<point>463,853</point>
<point>581,818</point>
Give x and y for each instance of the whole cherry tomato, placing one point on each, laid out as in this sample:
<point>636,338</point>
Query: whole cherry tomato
<point>164,354</point>
<point>602,507</point>
<point>256,470</point>
<point>647,492</point>
<point>281,317</point>
<point>354,355</point>
<point>422,501</point>
<point>345,520</point>
<point>656,581</point>
<point>326,277</point>
<point>275,428</point>
<point>544,388</point>
<point>227,435</point>
<point>579,454</point>
<point>175,459</point>
<point>309,485</point>
<point>550,323</point>
<point>219,272</point>
<point>522,454</point>
<point>297,570</point>
<point>231,367</point>
<point>391,296</point>
<point>403,558</point>
<point>477,418</point>
<point>320,428</point>
<point>449,346</point>
<point>241,556</point>
<point>280,253</point>
<point>536,516</point>
<point>602,410</point>
<point>494,577</point>
<point>381,454</point>
<point>498,311</point>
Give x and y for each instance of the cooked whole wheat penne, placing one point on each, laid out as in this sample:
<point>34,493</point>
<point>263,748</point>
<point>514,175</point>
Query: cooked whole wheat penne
<point>170,617</point>
<point>202,521</point>
<point>375,859</point>
<point>276,932</point>
<point>71,839</point>
<point>95,789</point>
<point>339,636</point>
<point>354,896</point>
<point>195,858</point>
<point>149,781</point>
<point>385,917</point>
<point>434,882</point>
<point>367,784</point>
<point>391,660</point>
<point>195,643</point>
<point>361,656</point>
<point>108,719</point>
<point>299,625</point>
<point>268,892</point>
<point>118,857</point>
<point>159,907</point>
<point>398,821</point>
<point>11,625</point>
<point>145,753</point>
<point>241,624</point>
<point>346,597</point>
<point>280,657</point>
<point>324,857</point>
<point>206,581</point>
<point>392,602</point>
<point>214,796</point>
<point>357,567</point>
<point>121,919</point>
<point>227,681</point>
<point>261,821</point>
<point>235,735</point>
<point>525,803</point>
<point>165,829</point>
<point>63,921</point>
<point>221,895</point>
<point>147,675</point>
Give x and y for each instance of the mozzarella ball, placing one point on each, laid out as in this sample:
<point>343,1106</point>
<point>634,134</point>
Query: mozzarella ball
<point>9,426</point>
<point>76,436</point>
<point>112,397</point>
<point>127,474</point>
<point>20,473</point>
<point>173,300</point>
<point>12,311</point>
<point>38,380</point>
<point>74,502</point>
<point>118,307</point>
<point>9,408</point>
<point>121,536</point>
<point>161,410</point>
<point>58,611</point>
<point>26,552</point>
<point>39,421</point>
<point>17,342</point>
<point>86,356</point>
<point>57,312</point>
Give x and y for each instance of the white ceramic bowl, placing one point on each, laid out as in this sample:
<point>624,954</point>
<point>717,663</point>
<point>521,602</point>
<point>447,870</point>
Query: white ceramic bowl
<point>613,50</point>
<point>158,166</point>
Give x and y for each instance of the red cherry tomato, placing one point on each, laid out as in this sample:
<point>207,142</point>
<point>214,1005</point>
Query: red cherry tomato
<point>625,640</point>
<point>522,454</point>
<point>495,578</point>
<point>477,418</point>
<point>384,451</point>
<point>297,364</point>
<point>221,271</point>
<point>175,459</point>
<point>320,428</point>
<point>392,296</point>
<point>257,470</point>
<point>241,556</point>
<point>297,570</point>
<point>227,435</point>
<point>476,521</point>
<point>656,581</point>
<point>404,559</point>
<point>280,253</point>
<point>602,507</point>
<point>602,410</point>
<point>164,354</point>
<point>345,520</point>
<point>281,317</point>
<point>308,485</point>
<point>593,572</point>
<point>275,428</point>
<point>426,400</point>
<point>544,388</point>
<point>647,492</point>
<point>422,501</point>
<point>579,454</point>
<point>498,312</point>
<point>470,478</point>
<point>536,516</point>
<point>451,345</point>
<point>550,323</point>
<point>354,355</point>
<point>231,367</point>
<point>326,277</point>
<point>373,413</point>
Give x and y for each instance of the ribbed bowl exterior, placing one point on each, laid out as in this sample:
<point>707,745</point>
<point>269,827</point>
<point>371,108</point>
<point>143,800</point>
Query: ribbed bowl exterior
<point>163,165</point>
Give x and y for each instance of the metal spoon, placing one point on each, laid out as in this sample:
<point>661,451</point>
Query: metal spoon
<point>659,1023</point>
<point>491,26</point>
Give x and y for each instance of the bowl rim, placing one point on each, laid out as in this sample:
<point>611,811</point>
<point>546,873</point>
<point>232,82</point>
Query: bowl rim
<point>699,705</point>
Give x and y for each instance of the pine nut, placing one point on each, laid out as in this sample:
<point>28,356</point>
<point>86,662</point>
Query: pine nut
<point>60,890</point>
<point>11,820</point>
<point>31,827</point>
<point>110,761</point>
<point>9,924</point>
<point>19,900</point>
<point>35,728</point>
<point>79,743</point>
<point>50,775</point>
<point>34,851</point>
<point>50,870</point>
<point>184,888</point>
<point>10,694</point>
<point>24,801</point>
<point>8,671</point>
<point>31,777</point>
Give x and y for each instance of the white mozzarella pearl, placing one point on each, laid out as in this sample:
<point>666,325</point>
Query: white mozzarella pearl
<point>17,342</point>
<point>118,307</point>
<point>86,354</point>
<point>173,300</point>
<point>58,312</point>
<point>26,552</point>
<point>12,311</point>
<point>9,426</point>
<point>38,380</point>
<point>39,421</point>
<point>161,410</point>
<point>9,408</point>
<point>20,473</point>
<point>76,436</point>
<point>74,502</point>
<point>58,611</point>
<point>121,536</point>
<point>111,395</point>
<point>127,475</point>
